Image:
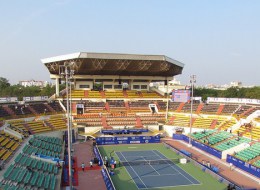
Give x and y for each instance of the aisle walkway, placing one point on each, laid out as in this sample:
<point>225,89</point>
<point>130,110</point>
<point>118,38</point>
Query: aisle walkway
<point>88,178</point>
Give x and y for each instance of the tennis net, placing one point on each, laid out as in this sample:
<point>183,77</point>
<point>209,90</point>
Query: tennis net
<point>149,162</point>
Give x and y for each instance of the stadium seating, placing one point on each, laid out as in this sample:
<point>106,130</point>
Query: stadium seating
<point>249,153</point>
<point>202,134</point>
<point>77,94</point>
<point>231,143</point>
<point>217,137</point>
<point>38,126</point>
<point>9,144</point>
<point>149,94</point>
<point>210,108</point>
<point>133,94</point>
<point>114,94</point>
<point>229,109</point>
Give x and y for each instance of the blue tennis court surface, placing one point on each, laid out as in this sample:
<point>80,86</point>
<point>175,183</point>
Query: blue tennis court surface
<point>154,175</point>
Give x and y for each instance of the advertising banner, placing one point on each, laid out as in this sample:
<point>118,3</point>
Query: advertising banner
<point>127,140</point>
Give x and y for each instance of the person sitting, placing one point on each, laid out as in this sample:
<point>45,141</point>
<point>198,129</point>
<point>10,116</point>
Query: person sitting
<point>29,169</point>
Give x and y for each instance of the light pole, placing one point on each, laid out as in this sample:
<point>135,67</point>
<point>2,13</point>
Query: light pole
<point>66,71</point>
<point>192,82</point>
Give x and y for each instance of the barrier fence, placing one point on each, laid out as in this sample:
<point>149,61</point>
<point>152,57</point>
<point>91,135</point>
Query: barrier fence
<point>244,166</point>
<point>199,145</point>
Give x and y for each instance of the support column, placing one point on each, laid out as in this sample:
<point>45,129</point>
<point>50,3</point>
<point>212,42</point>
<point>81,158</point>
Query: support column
<point>57,87</point>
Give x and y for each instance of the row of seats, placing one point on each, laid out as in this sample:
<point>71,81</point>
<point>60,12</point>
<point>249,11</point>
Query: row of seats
<point>218,137</point>
<point>231,143</point>
<point>249,153</point>
<point>202,134</point>
<point>18,177</point>
<point>28,109</point>
<point>9,144</point>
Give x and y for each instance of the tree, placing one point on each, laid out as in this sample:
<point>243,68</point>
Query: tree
<point>4,83</point>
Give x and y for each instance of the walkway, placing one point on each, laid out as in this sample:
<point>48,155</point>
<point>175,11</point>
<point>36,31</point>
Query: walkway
<point>90,177</point>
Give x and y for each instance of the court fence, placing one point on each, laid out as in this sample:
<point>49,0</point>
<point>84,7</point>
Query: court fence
<point>105,173</point>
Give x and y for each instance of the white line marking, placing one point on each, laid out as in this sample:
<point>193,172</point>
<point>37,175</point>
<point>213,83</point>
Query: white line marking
<point>128,172</point>
<point>151,166</point>
<point>177,170</point>
<point>134,172</point>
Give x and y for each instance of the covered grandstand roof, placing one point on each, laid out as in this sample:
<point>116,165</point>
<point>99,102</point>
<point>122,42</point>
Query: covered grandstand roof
<point>116,64</point>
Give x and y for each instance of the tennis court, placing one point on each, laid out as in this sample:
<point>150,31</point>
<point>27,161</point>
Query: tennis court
<point>151,169</point>
<point>146,173</point>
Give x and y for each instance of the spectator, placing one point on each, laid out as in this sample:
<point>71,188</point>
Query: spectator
<point>231,166</point>
<point>83,166</point>
<point>29,169</point>
<point>58,164</point>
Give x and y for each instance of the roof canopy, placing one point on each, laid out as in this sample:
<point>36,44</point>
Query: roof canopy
<point>115,64</point>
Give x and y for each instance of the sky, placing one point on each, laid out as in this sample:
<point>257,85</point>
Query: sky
<point>217,40</point>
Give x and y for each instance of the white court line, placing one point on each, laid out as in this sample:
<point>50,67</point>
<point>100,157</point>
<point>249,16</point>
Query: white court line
<point>134,172</point>
<point>163,187</point>
<point>177,171</point>
<point>151,166</point>
<point>127,171</point>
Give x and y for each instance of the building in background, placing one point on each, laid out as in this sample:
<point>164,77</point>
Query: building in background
<point>32,82</point>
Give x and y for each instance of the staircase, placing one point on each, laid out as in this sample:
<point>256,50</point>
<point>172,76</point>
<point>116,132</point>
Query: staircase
<point>28,128</point>
<point>74,107</point>
<point>199,108</point>
<point>102,93</point>
<point>180,107</point>
<point>104,123</point>
<point>50,108</point>
<point>125,94</point>
<point>213,124</point>
<point>9,111</point>
<point>138,123</point>
<point>193,120</point>
<point>247,111</point>
<point>107,106</point>
<point>32,110</point>
<point>171,120</point>
<point>85,93</point>
<point>46,123</point>
<point>127,106</point>
<point>220,109</point>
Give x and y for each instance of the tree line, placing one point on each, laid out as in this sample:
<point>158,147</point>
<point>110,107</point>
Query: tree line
<point>232,92</point>
<point>8,90</point>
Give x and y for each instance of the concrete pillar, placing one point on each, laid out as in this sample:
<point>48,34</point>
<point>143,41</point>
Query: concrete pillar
<point>57,87</point>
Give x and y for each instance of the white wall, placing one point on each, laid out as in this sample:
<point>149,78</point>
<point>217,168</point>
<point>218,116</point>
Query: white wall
<point>237,148</point>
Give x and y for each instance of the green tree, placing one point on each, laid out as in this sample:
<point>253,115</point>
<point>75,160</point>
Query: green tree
<point>4,83</point>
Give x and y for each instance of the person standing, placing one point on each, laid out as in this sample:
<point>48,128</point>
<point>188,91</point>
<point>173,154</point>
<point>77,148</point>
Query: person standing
<point>115,164</point>
<point>91,164</point>
<point>83,166</point>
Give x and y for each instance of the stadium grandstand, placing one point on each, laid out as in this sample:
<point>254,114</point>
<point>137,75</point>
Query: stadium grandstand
<point>109,101</point>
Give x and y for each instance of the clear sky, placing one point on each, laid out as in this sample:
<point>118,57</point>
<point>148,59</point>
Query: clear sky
<point>217,40</point>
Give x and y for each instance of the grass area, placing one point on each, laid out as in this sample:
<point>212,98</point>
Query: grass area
<point>122,180</point>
